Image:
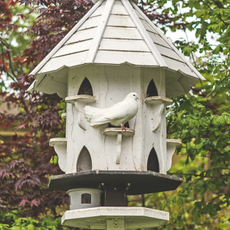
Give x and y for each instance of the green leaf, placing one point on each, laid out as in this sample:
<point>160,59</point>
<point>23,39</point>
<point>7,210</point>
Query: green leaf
<point>179,201</point>
<point>30,227</point>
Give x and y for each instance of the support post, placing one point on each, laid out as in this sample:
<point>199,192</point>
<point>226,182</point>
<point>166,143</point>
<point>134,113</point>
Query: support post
<point>114,195</point>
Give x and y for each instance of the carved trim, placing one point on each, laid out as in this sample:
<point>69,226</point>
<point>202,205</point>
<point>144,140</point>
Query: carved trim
<point>172,144</point>
<point>79,101</point>
<point>60,147</point>
<point>119,133</point>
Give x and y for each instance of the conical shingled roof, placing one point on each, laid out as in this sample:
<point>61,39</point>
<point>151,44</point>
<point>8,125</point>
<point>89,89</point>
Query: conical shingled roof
<point>115,32</point>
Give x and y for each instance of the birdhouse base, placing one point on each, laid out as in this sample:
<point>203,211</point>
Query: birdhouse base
<point>114,218</point>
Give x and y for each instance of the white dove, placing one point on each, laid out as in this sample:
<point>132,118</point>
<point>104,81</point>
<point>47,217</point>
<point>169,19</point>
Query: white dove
<point>116,115</point>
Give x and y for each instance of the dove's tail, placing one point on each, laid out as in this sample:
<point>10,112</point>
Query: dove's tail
<point>89,112</point>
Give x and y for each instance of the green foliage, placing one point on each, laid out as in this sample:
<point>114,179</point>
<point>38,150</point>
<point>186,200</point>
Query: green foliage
<point>201,120</point>
<point>13,42</point>
<point>16,222</point>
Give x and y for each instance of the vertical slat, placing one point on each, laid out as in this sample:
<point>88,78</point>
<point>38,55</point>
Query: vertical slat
<point>62,42</point>
<point>156,54</point>
<point>168,42</point>
<point>99,32</point>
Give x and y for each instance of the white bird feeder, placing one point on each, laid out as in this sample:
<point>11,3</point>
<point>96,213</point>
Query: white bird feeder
<point>112,51</point>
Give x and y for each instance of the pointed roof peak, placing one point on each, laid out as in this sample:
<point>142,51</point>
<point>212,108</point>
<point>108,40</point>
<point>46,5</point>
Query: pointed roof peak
<point>115,32</point>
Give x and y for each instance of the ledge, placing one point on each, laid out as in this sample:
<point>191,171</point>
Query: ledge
<point>60,147</point>
<point>63,115</point>
<point>156,99</point>
<point>171,144</point>
<point>116,131</point>
<point>124,217</point>
<point>58,141</point>
<point>80,98</point>
<point>175,142</point>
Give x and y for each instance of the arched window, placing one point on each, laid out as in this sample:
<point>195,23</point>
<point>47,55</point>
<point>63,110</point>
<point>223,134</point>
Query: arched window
<point>85,88</point>
<point>84,160</point>
<point>153,164</point>
<point>86,198</point>
<point>152,89</point>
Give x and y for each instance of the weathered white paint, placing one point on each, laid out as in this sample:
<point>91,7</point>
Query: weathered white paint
<point>119,9</point>
<point>80,98</point>
<point>146,25</point>
<point>60,62</point>
<point>76,198</point>
<point>123,45</point>
<point>168,52</point>
<point>56,87</point>
<point>74,48</point>
<point>122,33</point>
<point>172,144</point>
<point>115,223</point>
<point>63,115</point>
<point>60,147</point>
<point>62,42</point>
<point>79,101</point>
<point>198,75</point>
<point>119,140</point>
<point>119,133</point>
<point>107,148</point>
<point>157,39</point>
<point>90,23</point>
<point>82,35</point>
<point>117,57</point>
<point>158,103</point>
<point>109,35</point>
<point>178,66</point>
<point>100,30</point>
<point>115,131</point>
<point>116,20</point>
<point>144,34</point>
<point>99,10</point>
<point>157,99</point>
<point>124,54</point>
<point>134,217</point>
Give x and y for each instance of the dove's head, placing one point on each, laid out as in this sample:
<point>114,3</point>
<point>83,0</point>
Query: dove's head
<point>133,96</point>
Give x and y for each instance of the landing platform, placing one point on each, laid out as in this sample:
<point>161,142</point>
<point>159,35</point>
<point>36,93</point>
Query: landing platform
<point>114,218</point>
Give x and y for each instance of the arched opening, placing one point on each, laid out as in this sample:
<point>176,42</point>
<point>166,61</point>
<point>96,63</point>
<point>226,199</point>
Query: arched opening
<point>86,198</point>
<point>153,163</point>
<point>85,88</point>
<point>152,89</point>
<point>84,162</point>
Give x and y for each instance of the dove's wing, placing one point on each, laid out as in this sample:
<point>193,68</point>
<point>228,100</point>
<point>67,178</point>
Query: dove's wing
<point>117,111</point>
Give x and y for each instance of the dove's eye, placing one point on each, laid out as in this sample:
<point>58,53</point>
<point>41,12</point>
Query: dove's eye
<point>134,95</point>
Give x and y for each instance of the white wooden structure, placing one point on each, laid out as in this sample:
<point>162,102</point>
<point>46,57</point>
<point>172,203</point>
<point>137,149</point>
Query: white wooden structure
<point>112,51</point>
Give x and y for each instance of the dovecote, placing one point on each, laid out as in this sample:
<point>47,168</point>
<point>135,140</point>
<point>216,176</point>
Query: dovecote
<point>112,51</point>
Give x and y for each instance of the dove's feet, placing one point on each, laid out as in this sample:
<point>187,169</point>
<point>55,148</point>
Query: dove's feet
<point>123,128</point>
